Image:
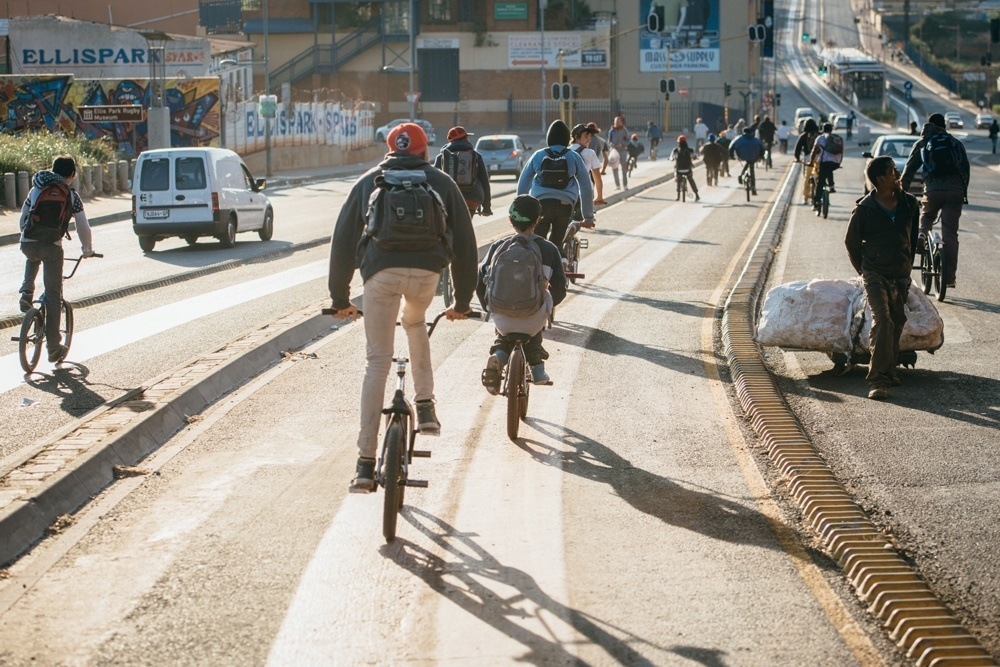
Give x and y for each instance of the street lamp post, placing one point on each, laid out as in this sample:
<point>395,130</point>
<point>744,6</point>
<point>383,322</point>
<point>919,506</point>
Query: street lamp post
<point>541,12</point>
<point>411,97</point>
<point>267,91</point>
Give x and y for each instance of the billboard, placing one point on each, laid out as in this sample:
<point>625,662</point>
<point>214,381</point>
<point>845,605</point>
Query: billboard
<point>688,30</point>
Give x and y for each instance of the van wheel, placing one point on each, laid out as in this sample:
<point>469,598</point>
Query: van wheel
<point>191,240</point>
<point>267,231</point>
<point>147,243</point>
<point>228,239</point>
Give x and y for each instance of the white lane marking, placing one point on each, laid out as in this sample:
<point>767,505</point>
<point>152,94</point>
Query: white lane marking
<point>108,337</point>
<point>346,609</point>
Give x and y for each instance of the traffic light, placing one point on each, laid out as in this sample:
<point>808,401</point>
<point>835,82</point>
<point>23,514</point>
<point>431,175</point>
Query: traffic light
<point>995,30</point>
<point>756,32</point>
<point>654,20</point>
<point>727,89</point>
<point>777,99</point>
<point>805,37</point>
<point>567,91</point>
<point>668,85</point>
<point>576,92</point>
<point>556,91</point>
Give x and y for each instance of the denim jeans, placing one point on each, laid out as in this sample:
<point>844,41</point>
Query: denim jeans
<point>50,256</point>
<point>949,204</point>
<point>534,353</point>
<point>556,216</point>
<point>886,297</point>
<point>380,303</point>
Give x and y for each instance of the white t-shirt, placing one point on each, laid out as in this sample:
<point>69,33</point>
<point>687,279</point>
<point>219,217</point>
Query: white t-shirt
<point>823,155</point>
<point>701,131</point>
<point>590,159</point>
<point>784,131</point>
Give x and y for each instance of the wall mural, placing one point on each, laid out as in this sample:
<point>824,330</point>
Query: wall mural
<point>33,103</point>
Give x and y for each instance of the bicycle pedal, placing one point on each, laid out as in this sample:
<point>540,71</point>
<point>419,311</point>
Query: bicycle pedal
<point>422,453</point>
<point>584,243</point>
<point>16,339</point>
<point>576,276</point>
<point>419,483</point>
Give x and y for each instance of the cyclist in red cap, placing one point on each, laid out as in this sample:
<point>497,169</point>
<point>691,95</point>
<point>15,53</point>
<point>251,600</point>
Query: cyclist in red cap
<point>683,157</point>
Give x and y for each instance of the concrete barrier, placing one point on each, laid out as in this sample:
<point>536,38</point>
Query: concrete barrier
<point>10,190</point>
<point>97,172</point>
<point>124,180</point>
<point>23,185</point>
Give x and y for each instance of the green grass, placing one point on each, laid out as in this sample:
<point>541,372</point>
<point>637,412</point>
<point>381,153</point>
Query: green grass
<point>32,152</point>
<point>887,116</point>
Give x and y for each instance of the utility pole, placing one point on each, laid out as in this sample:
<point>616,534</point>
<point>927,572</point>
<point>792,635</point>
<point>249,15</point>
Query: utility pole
<point>541,16</point>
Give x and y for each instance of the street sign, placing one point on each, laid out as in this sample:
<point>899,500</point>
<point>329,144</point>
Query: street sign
<point>268,106</point>
<point>682,91</point>
<point>111,113</point>
<point>909,95</point>
<point>908,85</point>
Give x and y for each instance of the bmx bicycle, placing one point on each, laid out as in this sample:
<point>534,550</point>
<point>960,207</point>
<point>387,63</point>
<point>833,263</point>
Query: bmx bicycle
<point>31,339</point>
<point>932,265</point>
<point>515,384</point>
<point>392,468</point>
<point>682,183</point>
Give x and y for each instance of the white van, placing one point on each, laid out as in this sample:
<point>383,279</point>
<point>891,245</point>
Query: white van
<point>195,192</point>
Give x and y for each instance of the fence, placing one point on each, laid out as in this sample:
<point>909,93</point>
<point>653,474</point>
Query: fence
<point>525,115</point>
<point>303,124</point>
<point>930,69</point>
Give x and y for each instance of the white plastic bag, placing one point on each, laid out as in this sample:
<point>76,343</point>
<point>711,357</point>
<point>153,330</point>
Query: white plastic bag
<point>810,315</point>
<point>924,328</point>
<point>614,159</point>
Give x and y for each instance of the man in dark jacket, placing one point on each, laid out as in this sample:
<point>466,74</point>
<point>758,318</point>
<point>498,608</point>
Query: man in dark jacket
<point>749,149</point>
<point>392,275</point>
<point>683,157</point>
<point>881,242</point>
<point>477,191</point>
<point>713,154</point>
<point>946,187</point>
<point>766,131</point>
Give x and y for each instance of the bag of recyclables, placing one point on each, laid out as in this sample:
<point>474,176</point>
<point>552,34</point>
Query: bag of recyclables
<point>833,316</point>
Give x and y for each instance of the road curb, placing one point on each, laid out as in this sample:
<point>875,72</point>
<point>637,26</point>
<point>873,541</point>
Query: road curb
<point>125,431</point>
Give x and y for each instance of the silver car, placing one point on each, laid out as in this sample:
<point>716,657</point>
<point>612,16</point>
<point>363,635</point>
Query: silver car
<point>954,120</point>
<point>503,153</point>
<point>383,132</point>
<point>898,147</point>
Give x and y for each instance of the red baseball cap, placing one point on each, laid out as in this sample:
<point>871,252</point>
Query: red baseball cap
<point>593,128</point>
<point>457,132</point>
<point>407,138</point>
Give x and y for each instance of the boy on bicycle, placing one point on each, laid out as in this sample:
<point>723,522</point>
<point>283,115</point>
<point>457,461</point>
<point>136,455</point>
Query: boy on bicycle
<point>683,157</point>
<point>747,148</point>
<point>49,253</point>
<point>525,212</point>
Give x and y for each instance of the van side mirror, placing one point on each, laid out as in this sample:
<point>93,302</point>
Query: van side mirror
<point>260,184</point>
<point>866,154</point>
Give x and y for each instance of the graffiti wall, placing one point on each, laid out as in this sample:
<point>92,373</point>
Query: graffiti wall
<point>33,103</point>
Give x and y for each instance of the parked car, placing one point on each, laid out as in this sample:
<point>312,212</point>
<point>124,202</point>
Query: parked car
<point>195,192</point>
<point>983,121</point>
<point>898,147</point>
<point>382,132</point>
<point>953,120</point>
<point>503,153</point>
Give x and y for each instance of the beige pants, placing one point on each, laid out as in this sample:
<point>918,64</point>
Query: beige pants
<point>380,303</point>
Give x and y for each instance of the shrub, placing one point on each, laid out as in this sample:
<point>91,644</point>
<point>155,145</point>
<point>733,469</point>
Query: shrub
<point>31,152</point>
<point>876,114</point>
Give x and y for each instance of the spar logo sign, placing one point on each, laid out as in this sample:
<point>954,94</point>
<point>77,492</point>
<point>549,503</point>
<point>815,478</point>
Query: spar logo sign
<point>684,60</point>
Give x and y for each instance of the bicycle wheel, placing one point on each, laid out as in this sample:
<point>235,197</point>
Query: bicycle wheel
<point>445,288</point>
<point>515,382</point>
<point>522,408</point>
<point>392,476</point>
<point>826,204</point>
<point>684,194</point>
<point>66,325</point>
<point>29,345</point>
<point>926,269</point>
<point>942,285</point>
<point>746,186</point>
<point>571,258</point>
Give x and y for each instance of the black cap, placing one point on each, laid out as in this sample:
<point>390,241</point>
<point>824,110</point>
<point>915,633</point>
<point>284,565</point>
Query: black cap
<point>936,119</point>
<point>525,209</point>
<point>558,134</point>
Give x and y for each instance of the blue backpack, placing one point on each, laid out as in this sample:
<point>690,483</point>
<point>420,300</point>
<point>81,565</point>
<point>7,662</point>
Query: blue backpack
<point>941,155</point>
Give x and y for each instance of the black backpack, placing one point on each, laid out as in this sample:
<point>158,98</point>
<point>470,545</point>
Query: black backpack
<point>405,213</point>
<point>555,170</point>
<point>49,216</point>
<point>461,166</point>
<point>834,145</point>
<point>941,156</point>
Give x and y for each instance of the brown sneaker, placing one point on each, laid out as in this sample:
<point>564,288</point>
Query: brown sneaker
<point>879,392</point>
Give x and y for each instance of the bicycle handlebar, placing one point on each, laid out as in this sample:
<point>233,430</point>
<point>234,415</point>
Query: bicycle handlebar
<point>76,263</point>
<point>472,315</point>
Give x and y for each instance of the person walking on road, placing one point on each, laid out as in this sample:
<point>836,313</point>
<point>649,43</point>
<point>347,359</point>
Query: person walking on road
<point>994,131</point>
<point>700,134</point>
<point>618,139</point>
<point>804,148</point>
<point>945,165</point>
<point>467,168</point>
<point>654,134</point>
<point>881,242</point>
<point>558,178</point>
<point>42,245</point>
<point>582,136</point>
<point>850,124</point>
<point>399,264</point>
<point>713,155</point>
<point>599,146</point>
<point>783,133</point>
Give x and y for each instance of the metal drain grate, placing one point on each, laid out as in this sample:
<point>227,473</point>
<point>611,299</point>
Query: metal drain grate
<point>911,613</point>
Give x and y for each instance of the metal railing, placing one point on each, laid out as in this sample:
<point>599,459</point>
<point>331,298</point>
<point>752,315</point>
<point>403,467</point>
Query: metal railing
<point>328,57</point>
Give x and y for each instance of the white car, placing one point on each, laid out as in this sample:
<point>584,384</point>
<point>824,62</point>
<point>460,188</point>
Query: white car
<point>898,147</point>
<point>195,192</point>
<point>953,120</point>
<point>383,132</point>
<point>983,121</point>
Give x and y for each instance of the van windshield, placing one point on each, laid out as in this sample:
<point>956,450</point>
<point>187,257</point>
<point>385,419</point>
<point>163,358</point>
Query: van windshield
<point>190,173</point>
<point>155,175</point>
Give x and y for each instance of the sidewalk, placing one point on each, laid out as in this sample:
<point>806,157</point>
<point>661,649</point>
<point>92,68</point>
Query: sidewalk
<point>114,208</point>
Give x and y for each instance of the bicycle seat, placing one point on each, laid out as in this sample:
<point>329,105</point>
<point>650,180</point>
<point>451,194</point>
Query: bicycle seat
<point>518,337</point>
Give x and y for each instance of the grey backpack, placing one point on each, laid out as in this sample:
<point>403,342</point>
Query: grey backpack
<point>516,278</point>
<point>405,213</point>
